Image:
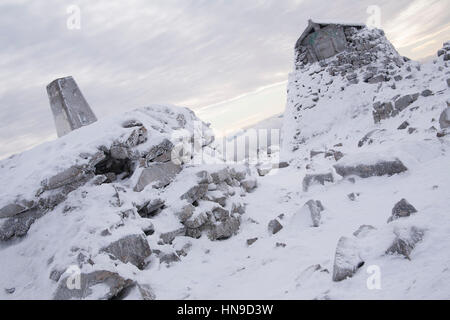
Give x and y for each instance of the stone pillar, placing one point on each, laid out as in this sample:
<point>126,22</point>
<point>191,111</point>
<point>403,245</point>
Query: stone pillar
<point>70,110</point>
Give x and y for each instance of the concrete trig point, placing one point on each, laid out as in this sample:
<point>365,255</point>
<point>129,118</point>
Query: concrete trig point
<point>70,109</point>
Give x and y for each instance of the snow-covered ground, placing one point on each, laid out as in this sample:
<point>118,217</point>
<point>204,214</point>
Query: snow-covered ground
<point>356,147</point>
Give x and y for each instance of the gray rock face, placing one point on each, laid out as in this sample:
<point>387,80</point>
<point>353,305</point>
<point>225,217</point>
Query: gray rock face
<point>151,208</point>
<point>225,229</point>
<point>405,243</point>
<point>68,176</point>
<point>18,225</point>
<point>249,184</point>
<point>444,119</point>
<point>11,210</point>
<point>168,237</point>
<point>404,101</point>
<point>161,152</point>
<point>315,208</point>
<point>363,230</point>
<point>367,138</point>
<point>274,226</point>
<point>195,193</point>
<point>132,248</point>
<point>347,259</point>
<point>70,109</point>
<point>381,168</point>
<point>383,111</point>
<point>112,286</point>
<point>404,125</point>
<point>158,174</point>
<point>402,209</point>
<point>311,179</point>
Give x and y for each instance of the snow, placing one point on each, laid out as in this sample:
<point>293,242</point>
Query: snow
<point>295,263</point>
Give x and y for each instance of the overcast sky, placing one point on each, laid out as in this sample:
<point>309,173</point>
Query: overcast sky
<point>191,53</point>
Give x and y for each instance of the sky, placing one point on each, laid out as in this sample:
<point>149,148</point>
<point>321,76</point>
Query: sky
<point>228,60</point>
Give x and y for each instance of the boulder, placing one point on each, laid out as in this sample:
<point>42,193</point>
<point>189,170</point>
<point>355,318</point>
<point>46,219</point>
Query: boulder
<point>169,258</point>
<point>225,229</point>
<point>403,126</point>
<point>71,175</point>
<point>151,208</point>
<point>249,184</point>
<point>96,285</point>
<point>185,212</point>
<point>12,209</point>
<point>444,119</point>
<point>195,193</point>
<point>381,168</point>
<point>310,213</point>
<point>405,241</point>
<point>168,237</point>
<point>311,179</point>
<point>132,248</point>
<point>18,225</point>
<point>404,101</point>
<point>347,259</point>
<point>274,226</point>
<point>401,209</point>
<point>363,230</point>
<point>161,152</point>
<point>158,174</point>
<point>383,111</point>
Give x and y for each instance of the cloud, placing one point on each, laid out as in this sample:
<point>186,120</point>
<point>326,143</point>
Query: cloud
<point>137,52</point>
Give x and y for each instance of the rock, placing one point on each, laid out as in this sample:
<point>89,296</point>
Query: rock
<point>238,208</point>
<point>137,137</point>
<point>195,193</point>
<point>225,229</point>
<point>352,196</point>
<point>314,153</point>
<point>151,208</point>
<point>10,290</point>
<point>347,259</point>
<point>204,177</point>
<point>158,174</point>
<point>18,225</point>
<point>68,176</point>
<point>363,230</point>
<point>444,119</point>
<point>402,209</point>
<point>383,111</point>
<point>251,241</point>
<point>119,152</point>
<point>280,245</point>
<point>149,229</point>
<point>448,82</point>
<point>274,226</point>
<point>11,209</point>
<point>216,196</point>
<point>169,258</point>
<point>311,179</point>
<point>221,176</point>
<point>197,220</point>
<point>238,173</point>
<point>411,130</point>
<point>283,164</point>
<point>426,93</point>
<point>137,292</point>
<point>249,184</point>
<point>381,168</point>
<point>132,248</point>
<point>108,285</point>
<point>405,241</point>
<point>404,101</point>
<point>185,212</point>
<point>367,138</point>
<point>377,79</point>
<point>161,152</point>
<point>403,126</point>
<point>168,237</point>
<point>263,171</point>
<point>398,78</point>
<point>309,214</point>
